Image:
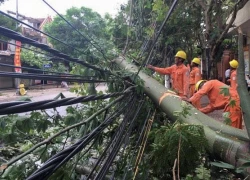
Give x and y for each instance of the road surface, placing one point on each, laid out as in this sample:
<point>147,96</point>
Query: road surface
<point>43,94</point>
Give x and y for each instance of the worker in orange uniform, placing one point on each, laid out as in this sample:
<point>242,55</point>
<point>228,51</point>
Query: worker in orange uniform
<point>233,73</point>
<point>195,75</point>
<point>218,101</point>
<point>179,74</point>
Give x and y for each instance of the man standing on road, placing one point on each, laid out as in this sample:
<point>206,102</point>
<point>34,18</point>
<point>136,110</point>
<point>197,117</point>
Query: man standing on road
<point>218,101</point>
<point>179,74</point>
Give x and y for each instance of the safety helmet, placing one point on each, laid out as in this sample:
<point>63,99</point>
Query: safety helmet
<point>181,54</point>
<point>196,61</point>
<point>197,85</point>
<point>234,63</point>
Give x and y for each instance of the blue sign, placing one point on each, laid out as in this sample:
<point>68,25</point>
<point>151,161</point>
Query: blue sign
<point>47,65</point>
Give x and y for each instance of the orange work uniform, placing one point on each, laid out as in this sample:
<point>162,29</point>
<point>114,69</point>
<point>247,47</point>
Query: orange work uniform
<point>235,110</point>
<point>219,101</point>
<point>195,76</point>
<point>233,80</point>
<point>180,78</point>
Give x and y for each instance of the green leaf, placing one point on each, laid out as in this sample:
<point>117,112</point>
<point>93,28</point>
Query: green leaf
<point>44,156</point>
<point>245,165</point>
<point>224,91</point>
<point>42,125</point>
<point>222,165</point>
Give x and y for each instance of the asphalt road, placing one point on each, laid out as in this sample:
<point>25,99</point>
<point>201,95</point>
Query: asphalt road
<point>43,94</point>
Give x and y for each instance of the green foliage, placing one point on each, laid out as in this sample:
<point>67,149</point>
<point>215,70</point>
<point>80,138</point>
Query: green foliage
<point>223,170</point>
<point>32,58</point>
<point>222,165</point>
<point>226,116</point>
<point>8,23</point>
<point>159,10</point>
<point>90,24</point>
<point>232,102</point>
<point>184,112</point>
<point>243,167</point>
<point>24,98</point>
<point>183,29</point>
<point>185,141</point>
<point>201,172</point>
<point>166,144</point>
<point>37,60</point>
<point>224,91</point>
<point>19,134</point>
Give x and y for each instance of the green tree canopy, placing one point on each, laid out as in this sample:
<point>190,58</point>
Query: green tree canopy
<point>89,23</point>
<point>192,24</point>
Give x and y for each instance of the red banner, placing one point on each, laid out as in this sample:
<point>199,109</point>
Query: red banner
<point>17,58</point>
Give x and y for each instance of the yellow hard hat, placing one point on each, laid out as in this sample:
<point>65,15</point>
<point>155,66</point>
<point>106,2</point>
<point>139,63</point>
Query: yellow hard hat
<point>197,85</point>
<point>196,61</point>
<point>21,86</point>
<point>181,54</point>
<point>234,63</point>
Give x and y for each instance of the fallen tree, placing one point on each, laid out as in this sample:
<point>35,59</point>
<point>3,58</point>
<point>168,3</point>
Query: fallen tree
<point>225,142</point>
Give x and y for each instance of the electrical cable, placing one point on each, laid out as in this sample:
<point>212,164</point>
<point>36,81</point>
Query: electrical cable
<point>47,77</point>
<point>99,48</point>
<point>100,159</point>
<point>24,106</point>
<point>115,142</point>
<point>74,149</point>
<point>40,70</point>
<point>127,134</point>
<point>39,52</point>
<point>53,58</point>
<point>143,145</point>
<point>137,144</point>
<point>157,35</point>
<point>15,19</point>
<point>14,35</point>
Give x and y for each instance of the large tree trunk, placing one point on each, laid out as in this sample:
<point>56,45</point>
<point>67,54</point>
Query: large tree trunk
<point>226,142</point>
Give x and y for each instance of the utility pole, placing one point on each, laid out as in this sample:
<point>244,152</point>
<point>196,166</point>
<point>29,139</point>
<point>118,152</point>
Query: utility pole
<point>17,80</point>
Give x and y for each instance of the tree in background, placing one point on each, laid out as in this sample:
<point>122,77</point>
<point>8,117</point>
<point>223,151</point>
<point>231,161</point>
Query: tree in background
<point>8,23</point>
<point>194,26</point>
<point>91,44</point>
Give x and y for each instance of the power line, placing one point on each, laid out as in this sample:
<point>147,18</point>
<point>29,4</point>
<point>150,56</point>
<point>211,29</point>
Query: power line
<point>47,77</point>
<point>51,165</point>
<point>158,34</point>
<point>99,48</point>
<point>14,35</point>
<point>39,52</point>
<point>24,106</point>
<point>40,70</point>
<point>53,58</point>
<point>39,31</point>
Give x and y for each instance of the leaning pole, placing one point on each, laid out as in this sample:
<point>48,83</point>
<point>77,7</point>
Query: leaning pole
<point>225,142</point>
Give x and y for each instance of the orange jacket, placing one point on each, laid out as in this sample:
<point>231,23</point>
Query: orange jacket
<point>212,90</point>
<point>233,79</point>
<point>179,76</point>
<point>195,76</point>
<point>235,110</point>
